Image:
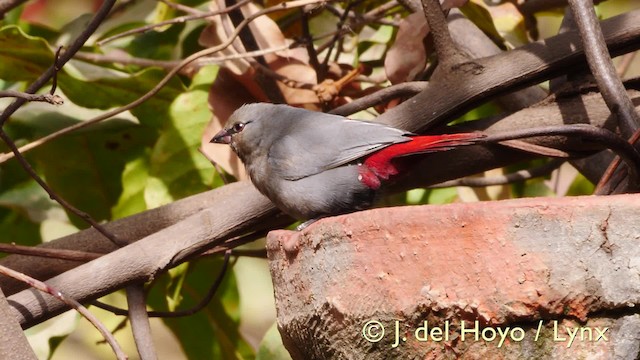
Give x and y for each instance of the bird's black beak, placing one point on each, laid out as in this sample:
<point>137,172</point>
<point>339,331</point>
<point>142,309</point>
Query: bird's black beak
<point>222,137</point>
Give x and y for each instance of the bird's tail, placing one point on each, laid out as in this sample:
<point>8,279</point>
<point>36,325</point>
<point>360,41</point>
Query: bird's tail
<point>380,162</point>
<point>435,143</point>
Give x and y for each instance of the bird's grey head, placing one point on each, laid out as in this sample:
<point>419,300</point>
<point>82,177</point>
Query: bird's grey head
<point>245,129</point>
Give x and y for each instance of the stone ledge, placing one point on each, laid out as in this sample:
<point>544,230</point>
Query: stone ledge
<point>572,262</point>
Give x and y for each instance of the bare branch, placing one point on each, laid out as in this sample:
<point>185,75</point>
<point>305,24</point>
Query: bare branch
<point>379,97</point>
<point>140,326</point>
<point>146,258</point>
<point>602,67</point>
<point>49,98</point>
<point>521,175</point>
<point>445,47</point>
<point>180,7</point>
<point>13,342</point>
<point>177,20</point>
<point>488,77</point>
<point>51,290</point>
<point>583,131</point>
<point>63,254</point>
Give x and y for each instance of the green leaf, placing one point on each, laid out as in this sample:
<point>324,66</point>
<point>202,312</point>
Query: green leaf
<point>23,57</point>
<point>211,333</point>
<point>45,338</point>
<point>581,186</point>
<point>106,93</point>
<point>85,168</point>
<point>120,28</point>
<point>536,188</point>
<point>134,181</point>
<point>482,18</point>
<point>17,228</point>
<point>174,289</point>
<point>13,16</point>
<point>159,45</point>
<point>28,199</point>
<point>442,196</point>
<point>271,347</point>
<point>177,166</point>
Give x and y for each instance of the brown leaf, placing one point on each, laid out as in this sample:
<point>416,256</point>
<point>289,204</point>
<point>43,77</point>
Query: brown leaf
<point>290,63</point>
<point>225,96</point>
<point>407,56</point>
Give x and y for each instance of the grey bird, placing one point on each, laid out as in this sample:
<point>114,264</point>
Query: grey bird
<point>312,164</point>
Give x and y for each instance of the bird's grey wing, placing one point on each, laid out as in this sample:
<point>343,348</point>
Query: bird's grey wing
<point>326,143</point>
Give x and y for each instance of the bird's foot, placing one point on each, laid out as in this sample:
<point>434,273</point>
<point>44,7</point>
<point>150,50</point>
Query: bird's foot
<point>307,223</point>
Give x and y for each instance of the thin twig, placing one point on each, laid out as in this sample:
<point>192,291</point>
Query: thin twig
<point>62,254</point>
<point>307,40</point>
<point>517,176</point>
<point>280,7</point>
<point>602,68</point>
<point>51,72</point>
<point>180,7</point>
<point>56,69</point>
<point>168,64</point>
<point>232,244</point>
<point>336,37</point>
<point>49,98</point>
<point>586,132</point>
<point>248,42</point>
<point>41,286</point>
<point>216,167</point>
<point>380,96</point>
<point>52,194</point>
<point>604,186</point>
<point>177,20</point>
<point>126,60</point>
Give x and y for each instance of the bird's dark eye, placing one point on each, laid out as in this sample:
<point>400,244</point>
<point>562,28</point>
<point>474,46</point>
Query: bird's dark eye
<point>238,127</point>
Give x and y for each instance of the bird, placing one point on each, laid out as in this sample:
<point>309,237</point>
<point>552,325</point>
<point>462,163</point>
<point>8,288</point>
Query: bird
<point>313,165</point>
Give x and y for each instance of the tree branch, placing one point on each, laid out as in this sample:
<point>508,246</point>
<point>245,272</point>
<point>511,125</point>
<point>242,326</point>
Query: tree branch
<point>602,68</point>
<point>59,297</point>
<point>495,75</point>
<point>140,326</point>
<point>521,175</point>
<point>49,98</point>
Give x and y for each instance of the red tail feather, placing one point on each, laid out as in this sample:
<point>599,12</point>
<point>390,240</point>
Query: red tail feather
<point>379,165</point>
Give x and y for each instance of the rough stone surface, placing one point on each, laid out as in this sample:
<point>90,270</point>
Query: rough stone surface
<point>531,271</point>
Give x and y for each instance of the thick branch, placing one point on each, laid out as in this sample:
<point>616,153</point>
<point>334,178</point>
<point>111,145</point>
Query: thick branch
<point>13,342</point>
<point>238,206</point>
<point>482,79</point>
<point>602,68</point>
